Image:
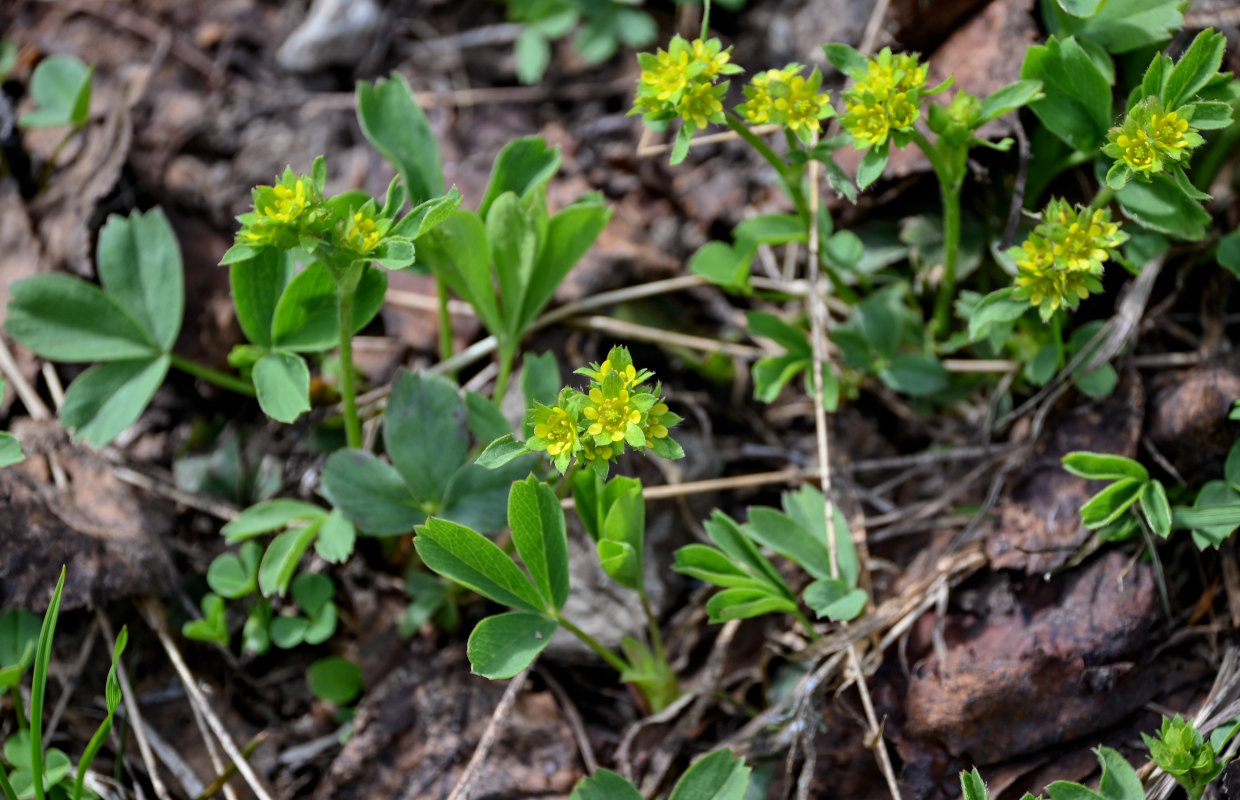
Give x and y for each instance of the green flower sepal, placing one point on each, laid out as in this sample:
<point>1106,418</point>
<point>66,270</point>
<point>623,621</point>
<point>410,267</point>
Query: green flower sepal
<point>1152,141</point>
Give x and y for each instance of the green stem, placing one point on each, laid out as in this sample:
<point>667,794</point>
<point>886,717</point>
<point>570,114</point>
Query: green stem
<point>656,638</point>
<point>565,483</point>
<point>220,379</point>
<point>1105,195</point>
<point>951,254</point>
<point>5,786</point>
<point>806,624</point>
<point>611,658</point>
<point>445,322</point>
<point>791,186</point>
<point>705,18</point>
<point>50,165</point>
<point>505,358</point>
<point>949,168</point>
<point>348,391</point>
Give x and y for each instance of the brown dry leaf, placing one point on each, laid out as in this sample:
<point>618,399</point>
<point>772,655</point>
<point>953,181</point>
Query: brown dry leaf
<point>415,731</point>
<point>105,534</point>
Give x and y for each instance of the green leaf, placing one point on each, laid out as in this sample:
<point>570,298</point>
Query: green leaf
<point>282,381</point>
<point>1121,27</point>
<point>729,537</point>
<point>723,265</point>
<point>394,123</point>
<point>915,374</point>
<point>334,680</point>
<point>845,58</point>
<point>570,233</point>
<point>792,337</point>
<point>531,53</point>
<point>1077,8</point>
<point>1103,466</point>
<point>504,644</point>
<point>456,252</point>
<point>994,309</point>
<point>106,399</point>
<point>112,700</point>
<point>521,167</point>
<point>540,379</point>
<point>1156,508</point>
<point>307,315</point>
<point>1106,506</point>
<point>833,598</point>
<point>476,563</point>
<point>785,536</point>
<point>972,787</point>
<point>622,538</point>
<point>280,561</point>
<point>427,215</point>
<point>62,318</point>
<point>1119,779</point>
<point>1077,102</point>
<point>1010,97</point>
<point>10,450</point>
<point>336,539</point>
<point>312,592</point>
<point>538,531</point>
<point>322,625</point>
<point>288,632</point>
<point>1162,206</point>
<point>213,627</point>
<point>270,515</point>
<point>513,242</point>
<point>806,506</point>
<point>371,493</point>
<point>772,373</point>
<point>257,284</point>
<point>19,633</point>
<point>235,575</point>
<point>745,604</point>
<point>621,562</point>
<point>718,776</point>
<point>605,785</point>
<point>1214,517</point>
<point>771,229</point>
<point>60,86</point>
<point>872,165</point>
<point>478,497</point>
<point>139,264</point>
<point>1066,790</point>
<point>1197,67</point>
<point>501,451</point>
<point>426,432</point>
<point>486,421</point>
<point>712,566</point>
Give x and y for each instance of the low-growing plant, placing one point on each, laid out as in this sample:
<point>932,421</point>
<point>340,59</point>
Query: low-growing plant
<point>39,772</point>
<point>717,776</point>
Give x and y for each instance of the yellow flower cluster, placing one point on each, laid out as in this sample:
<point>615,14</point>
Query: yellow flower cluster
<point>283,212</point>
<point>683,82</point>
<point>785,97</point>
<point>1061,262</point>
<point>885,97</point>
<point>1149,139</point>
<point>595,426</point>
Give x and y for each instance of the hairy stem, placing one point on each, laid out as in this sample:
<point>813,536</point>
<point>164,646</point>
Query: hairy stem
<point>220,379</point>
<point>348,389</point>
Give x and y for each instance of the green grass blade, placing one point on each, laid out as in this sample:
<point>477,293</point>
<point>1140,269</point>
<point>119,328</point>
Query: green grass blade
<point>42,659</point>
<point>6,788</point>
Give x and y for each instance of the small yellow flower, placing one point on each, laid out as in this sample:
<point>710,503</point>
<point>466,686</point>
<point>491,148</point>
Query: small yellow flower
<point>1167,132</point>
<point>868,123</point>
<point>288,204</point>
<point>1062,260</point>
<point>610,413</point>
<point>668,77</point>
<point>628,374</point>
<point>1139,152</point>
<point>711,55</point>
<point>700,104</point>
<point>593,452</point>
<point>653,428</point>
<point>363,234</point>
<point>558,431</point>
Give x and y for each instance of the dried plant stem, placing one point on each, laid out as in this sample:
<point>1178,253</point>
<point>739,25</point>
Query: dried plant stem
<point>487,740</point>
<point>818,341</point>
<point>154,616</point>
